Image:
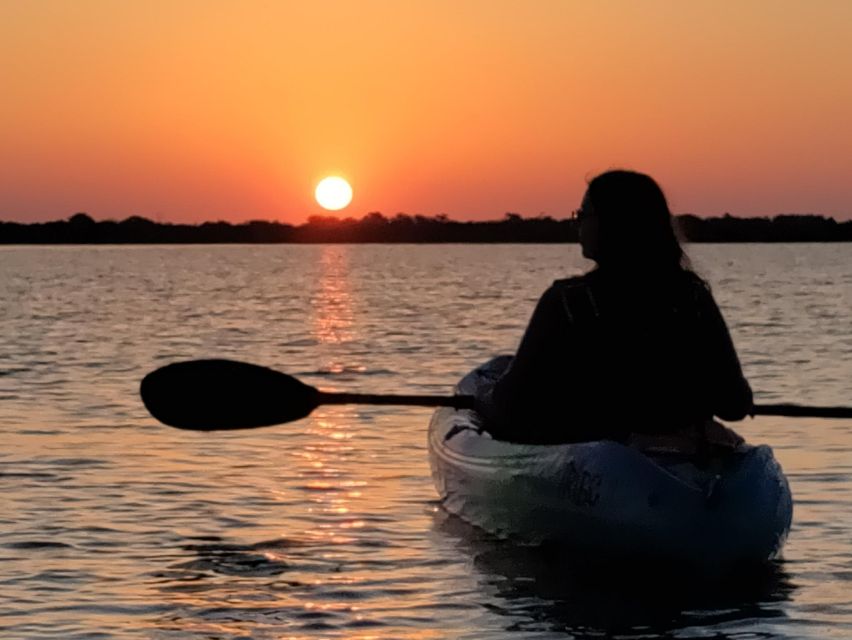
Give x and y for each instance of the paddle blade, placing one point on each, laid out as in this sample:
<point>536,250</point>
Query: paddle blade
<point>209,395</point>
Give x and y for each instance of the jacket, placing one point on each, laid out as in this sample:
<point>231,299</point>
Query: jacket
<point>603,357</point>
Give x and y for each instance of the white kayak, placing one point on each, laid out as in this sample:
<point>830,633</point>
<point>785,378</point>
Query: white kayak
<point>608,499</point>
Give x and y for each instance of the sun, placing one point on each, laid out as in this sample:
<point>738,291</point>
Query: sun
<point>333,193</point>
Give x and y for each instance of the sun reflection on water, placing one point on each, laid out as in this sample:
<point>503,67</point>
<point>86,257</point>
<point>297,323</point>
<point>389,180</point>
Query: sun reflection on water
<point>326,476</point>
<point>332,304</point>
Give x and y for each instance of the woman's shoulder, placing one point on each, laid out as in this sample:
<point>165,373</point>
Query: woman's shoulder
<point>575,297</point>
<point>570,289</point>
<point>696,281</point>
<point>574,282</point>
<point>698,289</point>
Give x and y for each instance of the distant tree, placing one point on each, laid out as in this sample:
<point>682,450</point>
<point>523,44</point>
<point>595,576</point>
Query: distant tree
<point>374,218</point>
<point>139,221</point>
<point>322,221</point>
<point>81,219</point>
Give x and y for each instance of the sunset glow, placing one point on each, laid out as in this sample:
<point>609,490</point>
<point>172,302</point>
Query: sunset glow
<point>188,111</point>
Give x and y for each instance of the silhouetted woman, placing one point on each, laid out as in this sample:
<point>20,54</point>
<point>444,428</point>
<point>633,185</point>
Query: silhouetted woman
<point>636,345</point>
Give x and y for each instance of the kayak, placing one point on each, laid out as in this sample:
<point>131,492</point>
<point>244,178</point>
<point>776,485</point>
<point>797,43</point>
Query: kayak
<point>607,500</point>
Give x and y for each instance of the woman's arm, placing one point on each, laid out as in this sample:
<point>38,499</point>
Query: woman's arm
<point>730,392</point>
<point>528,381</point>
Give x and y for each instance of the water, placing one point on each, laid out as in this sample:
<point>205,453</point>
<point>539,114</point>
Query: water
<point>113,526</point>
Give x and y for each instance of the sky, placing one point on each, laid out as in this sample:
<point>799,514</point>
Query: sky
<point>185,111</point>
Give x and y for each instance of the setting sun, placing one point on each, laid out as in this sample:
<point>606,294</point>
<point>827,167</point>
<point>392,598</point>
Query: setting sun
<point>333,193</point>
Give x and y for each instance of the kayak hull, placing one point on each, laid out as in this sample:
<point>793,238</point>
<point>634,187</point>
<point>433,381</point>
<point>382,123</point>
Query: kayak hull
<point>608,499</point>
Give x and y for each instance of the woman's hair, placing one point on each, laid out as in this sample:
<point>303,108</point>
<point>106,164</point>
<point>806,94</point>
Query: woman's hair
<point>634,225</point>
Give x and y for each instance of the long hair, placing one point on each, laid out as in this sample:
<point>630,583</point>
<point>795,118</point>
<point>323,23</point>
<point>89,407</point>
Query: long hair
<point>635,228</point>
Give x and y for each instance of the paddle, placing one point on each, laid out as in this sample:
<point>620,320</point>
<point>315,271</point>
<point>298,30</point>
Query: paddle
<point>211,395</point>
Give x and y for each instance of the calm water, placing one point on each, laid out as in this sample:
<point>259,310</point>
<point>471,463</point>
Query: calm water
<point>114,526</point>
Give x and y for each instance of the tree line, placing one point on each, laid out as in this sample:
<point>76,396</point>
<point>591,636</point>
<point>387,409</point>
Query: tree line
<point>403,228</point>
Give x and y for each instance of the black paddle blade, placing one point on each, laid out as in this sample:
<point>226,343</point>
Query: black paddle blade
<point>208,395</point>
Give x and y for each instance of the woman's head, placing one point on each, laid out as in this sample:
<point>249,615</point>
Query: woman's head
<point>625,223</point>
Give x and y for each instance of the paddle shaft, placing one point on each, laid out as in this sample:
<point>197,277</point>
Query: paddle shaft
<point>457,402</point>
<point>798,411</point>
<point>467,402</point>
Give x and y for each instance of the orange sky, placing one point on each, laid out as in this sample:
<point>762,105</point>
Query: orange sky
<point>183,110</point>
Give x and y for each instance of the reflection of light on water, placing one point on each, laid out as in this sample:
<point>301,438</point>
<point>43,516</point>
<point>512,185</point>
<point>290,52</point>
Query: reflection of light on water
<point>339,367</point>
<point>324,476</point>
<point>332,303</point>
